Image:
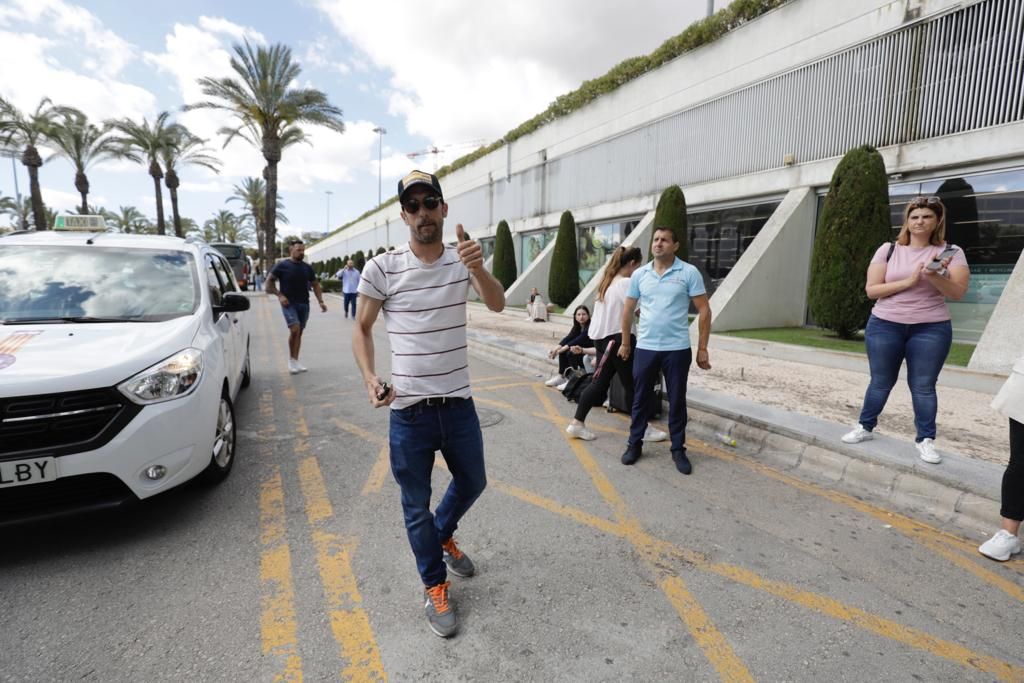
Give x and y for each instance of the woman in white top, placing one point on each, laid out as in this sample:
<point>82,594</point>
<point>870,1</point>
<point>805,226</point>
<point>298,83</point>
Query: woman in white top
<point>1010,402</point>
<point>606,331</point>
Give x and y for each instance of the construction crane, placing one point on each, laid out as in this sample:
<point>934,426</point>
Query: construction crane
<point>434,150</point>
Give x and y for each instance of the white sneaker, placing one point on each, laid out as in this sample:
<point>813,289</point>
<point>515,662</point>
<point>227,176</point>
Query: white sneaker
<point>857,435</point>
<point>1001,546</point>
<point>580,432</point>
<point>554,381</point>
<point>293,367</point>
<point>563,385</point>
<point>926,448</point>
<point>301,367</point>
<point>651,435</point>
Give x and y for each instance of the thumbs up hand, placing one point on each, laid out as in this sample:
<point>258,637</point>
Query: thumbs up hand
<point>469,251</point>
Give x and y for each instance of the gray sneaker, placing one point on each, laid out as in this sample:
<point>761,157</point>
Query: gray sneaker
<point>458,562</point>
<point>440,613</point>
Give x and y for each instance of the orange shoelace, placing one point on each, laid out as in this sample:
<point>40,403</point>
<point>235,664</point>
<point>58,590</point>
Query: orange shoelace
<point>439,596</point>
<point>452,549</point>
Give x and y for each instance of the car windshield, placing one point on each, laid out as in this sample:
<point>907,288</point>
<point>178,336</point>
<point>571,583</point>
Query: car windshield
<point>230,251</point>
<point>93,284</point>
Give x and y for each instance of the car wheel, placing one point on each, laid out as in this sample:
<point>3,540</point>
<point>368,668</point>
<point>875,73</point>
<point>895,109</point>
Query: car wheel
<point>223,456</point>
<point>247,369</point>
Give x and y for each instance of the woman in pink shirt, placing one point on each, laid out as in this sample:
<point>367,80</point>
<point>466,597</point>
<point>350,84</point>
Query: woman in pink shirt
<point>910,281</point>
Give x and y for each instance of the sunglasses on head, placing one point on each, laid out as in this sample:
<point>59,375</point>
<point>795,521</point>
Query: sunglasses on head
<point>925,201</point>
<point>412,206</point>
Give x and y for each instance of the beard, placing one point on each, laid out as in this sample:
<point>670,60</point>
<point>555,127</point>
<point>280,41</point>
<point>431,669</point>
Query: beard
<point>428,232</point>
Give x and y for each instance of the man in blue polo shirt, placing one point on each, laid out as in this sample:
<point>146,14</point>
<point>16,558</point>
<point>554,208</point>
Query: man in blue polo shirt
<point>664,289</point>
<point>295,277</point>
<point>349,276</point>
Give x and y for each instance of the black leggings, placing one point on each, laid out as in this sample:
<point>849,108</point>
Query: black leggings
<point>568,359</point>
<point>594,394</point>
<point>1013,477</point>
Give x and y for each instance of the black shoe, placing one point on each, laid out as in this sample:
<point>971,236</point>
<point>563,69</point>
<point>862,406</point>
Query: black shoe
<point>682,462</point>
<point>631,454</point>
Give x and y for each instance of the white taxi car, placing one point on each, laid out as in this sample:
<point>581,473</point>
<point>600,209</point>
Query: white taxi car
<point>120,359</point>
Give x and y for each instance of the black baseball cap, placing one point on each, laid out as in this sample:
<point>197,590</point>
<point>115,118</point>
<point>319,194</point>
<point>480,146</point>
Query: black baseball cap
<point>419,178</point>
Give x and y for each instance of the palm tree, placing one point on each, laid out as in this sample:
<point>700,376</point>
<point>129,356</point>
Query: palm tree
<point>18,130</point>
<point>223,224</point>
<point>144,143</point>
<point>252,192</point>
<point>9,207</point>
<point>83,144</point>
<point>268,110</point>
<point>126,219</point>
<point>186,149</point>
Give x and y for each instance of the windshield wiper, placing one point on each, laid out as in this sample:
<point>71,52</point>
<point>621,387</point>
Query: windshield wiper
<point>69,319</point>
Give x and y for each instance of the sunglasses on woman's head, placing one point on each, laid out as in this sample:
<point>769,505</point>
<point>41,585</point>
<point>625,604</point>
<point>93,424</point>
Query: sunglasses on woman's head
<point>925,201</point>
<point>412,206</point>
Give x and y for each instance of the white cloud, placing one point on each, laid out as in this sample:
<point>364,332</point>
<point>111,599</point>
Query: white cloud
<point>72,22</point>
<point>465,69</point>
<point>65,202</point>
<point>231,29</point>
<point>39,75</point>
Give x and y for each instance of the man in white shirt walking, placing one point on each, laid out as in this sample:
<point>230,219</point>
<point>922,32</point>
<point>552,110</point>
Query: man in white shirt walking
<point>421,288</point>
<point>349,276</point>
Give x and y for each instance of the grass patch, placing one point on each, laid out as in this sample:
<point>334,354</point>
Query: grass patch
<point>959,354</point>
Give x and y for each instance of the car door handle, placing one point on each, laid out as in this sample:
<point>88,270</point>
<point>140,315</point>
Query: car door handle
<point>235,320</point>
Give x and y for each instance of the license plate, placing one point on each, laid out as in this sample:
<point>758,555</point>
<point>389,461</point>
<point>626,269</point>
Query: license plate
<point>19,472</point>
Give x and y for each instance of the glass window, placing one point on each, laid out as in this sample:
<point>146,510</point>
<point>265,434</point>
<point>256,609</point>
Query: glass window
<point>985,217</point>
<point>486,247</point>
<point>532,244</point>
<point>595,243</point>
<point>54,282</point>
<point>213,282</point>
<point>719,237</point>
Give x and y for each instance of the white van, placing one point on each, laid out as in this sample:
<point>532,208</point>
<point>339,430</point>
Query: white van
<point>120,360</point>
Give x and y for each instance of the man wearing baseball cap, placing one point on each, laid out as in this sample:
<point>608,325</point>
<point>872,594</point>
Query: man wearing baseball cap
<point>422,288</point>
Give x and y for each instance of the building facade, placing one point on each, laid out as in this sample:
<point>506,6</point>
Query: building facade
<point>751,127</point>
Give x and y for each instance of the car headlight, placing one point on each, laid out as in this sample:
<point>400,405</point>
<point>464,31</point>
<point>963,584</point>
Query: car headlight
<point>172,378</point>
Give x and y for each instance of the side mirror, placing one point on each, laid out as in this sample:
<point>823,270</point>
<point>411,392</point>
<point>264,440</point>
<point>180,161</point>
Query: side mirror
<point>233,303</point>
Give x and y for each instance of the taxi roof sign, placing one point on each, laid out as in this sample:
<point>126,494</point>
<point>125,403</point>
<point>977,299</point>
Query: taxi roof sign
<point>80,223</point>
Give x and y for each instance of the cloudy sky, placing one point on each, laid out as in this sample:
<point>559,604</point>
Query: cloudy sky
<point>452,75</point>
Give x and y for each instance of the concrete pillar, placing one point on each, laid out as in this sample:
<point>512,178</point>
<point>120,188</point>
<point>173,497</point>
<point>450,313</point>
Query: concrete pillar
<point>768,285</point>
<point>536,275</point>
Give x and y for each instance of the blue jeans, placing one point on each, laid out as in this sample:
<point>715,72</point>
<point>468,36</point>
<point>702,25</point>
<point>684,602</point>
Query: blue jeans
<point>350,299</point>
<point>675,365</point>
<point>416,433</point>
<point>925,346</point>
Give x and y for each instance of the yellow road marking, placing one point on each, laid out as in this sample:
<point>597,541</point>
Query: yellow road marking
<point>379,473</point>
<point>278,625</point>
<point>478,380</point>
<point>356,430</point>
<point>711,641</point>
<point>511,385</point>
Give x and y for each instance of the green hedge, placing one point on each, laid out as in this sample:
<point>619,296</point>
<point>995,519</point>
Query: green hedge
<point>854,222</point>
<point>330,284</point>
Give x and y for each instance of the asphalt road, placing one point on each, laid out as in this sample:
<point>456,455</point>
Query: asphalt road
<point>297,567</point>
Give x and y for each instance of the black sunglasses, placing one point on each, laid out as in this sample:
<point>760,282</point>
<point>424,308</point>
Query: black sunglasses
<point>413,205</point>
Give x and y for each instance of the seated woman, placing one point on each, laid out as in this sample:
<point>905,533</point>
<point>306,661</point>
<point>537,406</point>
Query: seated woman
<point>577,337</point>
<point>536,310</point>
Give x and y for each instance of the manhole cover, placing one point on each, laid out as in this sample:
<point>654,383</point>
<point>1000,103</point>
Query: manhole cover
<point>489,418</point>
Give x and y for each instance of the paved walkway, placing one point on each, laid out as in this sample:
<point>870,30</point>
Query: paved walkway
<point>826,386</point>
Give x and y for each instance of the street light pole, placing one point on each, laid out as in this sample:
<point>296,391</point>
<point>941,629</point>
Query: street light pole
<point>380,148</point>
<point>327,225</point>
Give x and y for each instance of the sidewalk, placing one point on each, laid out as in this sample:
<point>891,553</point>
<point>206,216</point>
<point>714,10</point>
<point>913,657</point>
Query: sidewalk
<point>790,413</point>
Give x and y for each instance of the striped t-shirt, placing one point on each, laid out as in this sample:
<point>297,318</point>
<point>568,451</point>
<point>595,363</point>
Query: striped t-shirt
<point>425,315</point>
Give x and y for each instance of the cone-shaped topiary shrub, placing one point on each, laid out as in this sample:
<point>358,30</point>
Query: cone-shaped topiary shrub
<point>671,213</point>
<point>564,279</point>
<point>503,265</point>
<point>854,222</point>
